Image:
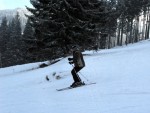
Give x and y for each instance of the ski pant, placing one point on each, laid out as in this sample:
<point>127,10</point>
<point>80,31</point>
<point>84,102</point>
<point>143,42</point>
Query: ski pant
<point>74,72</point>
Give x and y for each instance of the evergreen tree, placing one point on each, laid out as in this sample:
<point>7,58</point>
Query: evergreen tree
<point>60,23</point>
<point>13,55</point>
<point>28,31</point>
<point>28,34</point>
<point>15,31</point>
<point>4,36</point>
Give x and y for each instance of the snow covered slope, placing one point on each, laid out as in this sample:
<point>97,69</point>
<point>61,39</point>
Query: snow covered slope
<point>122,75</point>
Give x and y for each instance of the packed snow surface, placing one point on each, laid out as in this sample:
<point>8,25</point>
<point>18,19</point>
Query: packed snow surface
<point>122,77</point>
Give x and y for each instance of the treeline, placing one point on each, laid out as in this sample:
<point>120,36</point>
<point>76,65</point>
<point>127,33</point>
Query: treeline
<point>13,48</point>
<point>56,25</point>
<point>133,21</point>
<point>11,42</point>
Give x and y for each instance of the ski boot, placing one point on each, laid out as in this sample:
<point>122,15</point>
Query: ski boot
<point>77,84</point>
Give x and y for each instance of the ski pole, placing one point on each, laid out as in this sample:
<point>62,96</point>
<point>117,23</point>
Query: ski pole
<point>83,76</point>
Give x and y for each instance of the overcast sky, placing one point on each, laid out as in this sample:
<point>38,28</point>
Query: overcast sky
<point>12,4</point>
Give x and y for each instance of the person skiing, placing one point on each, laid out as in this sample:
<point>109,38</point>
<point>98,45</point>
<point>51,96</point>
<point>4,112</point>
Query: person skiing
<point>79,63</point>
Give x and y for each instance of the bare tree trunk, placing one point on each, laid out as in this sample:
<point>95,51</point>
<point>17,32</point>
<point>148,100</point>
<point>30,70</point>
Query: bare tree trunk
<point>136,38</point>
<point>0,60</point>
<point>148,24</point>
<point>109,41</point>
<point>98,41</point>
<point>127,33</point>
<point>131,33</point>
<point>118,34</point>
<point>114,41</point>
<point>143,28</point>
<point>121,31</point>
<point>126,41</point>
<point>148,35</point>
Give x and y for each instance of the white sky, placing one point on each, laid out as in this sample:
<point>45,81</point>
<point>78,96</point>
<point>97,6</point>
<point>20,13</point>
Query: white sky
<point>12,4</point>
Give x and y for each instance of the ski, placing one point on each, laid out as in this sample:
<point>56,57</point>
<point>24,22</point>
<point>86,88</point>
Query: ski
<point>67,88</point>
<point>62,89</point>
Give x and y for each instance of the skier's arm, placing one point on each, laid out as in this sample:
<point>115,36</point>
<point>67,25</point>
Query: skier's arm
<point>70,59</point>
<point>70,62</point>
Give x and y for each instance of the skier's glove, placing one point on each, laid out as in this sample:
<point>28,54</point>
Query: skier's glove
<point>70,59</point>
<point>70,62</point>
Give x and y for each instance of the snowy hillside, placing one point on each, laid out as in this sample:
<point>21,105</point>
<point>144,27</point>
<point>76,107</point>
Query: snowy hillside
<point>122,77</point>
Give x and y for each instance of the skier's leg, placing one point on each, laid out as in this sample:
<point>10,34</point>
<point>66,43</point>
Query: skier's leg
<point>75,78</point>
<point>74,72</point>
<point>77,70</point>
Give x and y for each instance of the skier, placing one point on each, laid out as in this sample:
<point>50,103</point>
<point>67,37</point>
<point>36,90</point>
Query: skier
<point>79,63</point>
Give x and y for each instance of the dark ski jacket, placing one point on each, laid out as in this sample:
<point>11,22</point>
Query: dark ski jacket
<point>78,59</point>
